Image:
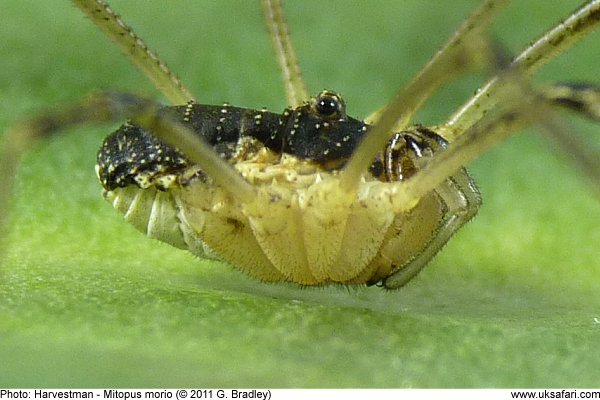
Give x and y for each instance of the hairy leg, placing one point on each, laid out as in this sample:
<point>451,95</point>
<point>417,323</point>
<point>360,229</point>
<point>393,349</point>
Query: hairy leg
<point>131,45</point>
<point>533,57</point>
<point>295,88</point>
<point>464,49</point>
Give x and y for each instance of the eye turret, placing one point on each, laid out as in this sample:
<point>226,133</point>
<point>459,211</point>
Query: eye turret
<point>329,105</point>
<point>321,131</point>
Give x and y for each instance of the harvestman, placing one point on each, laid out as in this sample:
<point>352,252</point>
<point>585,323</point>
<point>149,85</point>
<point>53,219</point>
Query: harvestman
<point>311,195</point>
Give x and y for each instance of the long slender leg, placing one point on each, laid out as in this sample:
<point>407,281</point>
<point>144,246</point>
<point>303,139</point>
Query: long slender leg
<point>526,108</point>
<point>583,99</point>
<point>130,44</point>
<point>286,56</point>
<point>112,107</point>
<point>457,55</point>
<point>466,148</point>
<point>533,57</point>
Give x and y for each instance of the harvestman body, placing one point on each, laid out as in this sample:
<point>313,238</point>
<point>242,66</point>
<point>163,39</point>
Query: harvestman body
<point>312,195</point>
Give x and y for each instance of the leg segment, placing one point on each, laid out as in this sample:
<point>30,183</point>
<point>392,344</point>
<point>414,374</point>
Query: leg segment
<point>583,99</point>
<point>295,88</point>
<point>466,45</point>
<point>135,49</point>
<point>480,138</point>
<point>525,108</point>
<point>548,46</point>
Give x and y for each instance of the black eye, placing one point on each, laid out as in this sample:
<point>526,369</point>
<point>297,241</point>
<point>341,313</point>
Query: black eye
<point>327,106</point>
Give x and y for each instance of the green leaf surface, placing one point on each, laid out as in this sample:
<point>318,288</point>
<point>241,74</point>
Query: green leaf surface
<point>87,301</point>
